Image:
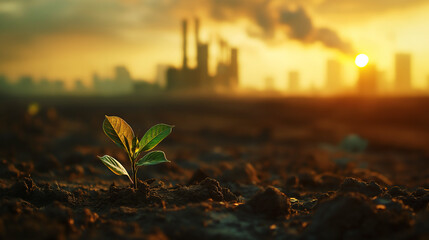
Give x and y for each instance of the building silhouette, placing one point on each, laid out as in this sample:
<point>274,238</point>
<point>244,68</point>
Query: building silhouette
<point>367,81</point>
<point>269,84</point>
<point>4,84</point>
<point>79,87</point>
<point>58,87</point>
<point>144,88</point>
<point>293,83</point>
<point>403,72</point>
<point>198,78</point>
<point>333,75</point>
<point>161,77</point>
<point>45,86</point>
<point>49,87</point>
<point>383,85</point>
<point>25,85</point>
<point>121,84</point>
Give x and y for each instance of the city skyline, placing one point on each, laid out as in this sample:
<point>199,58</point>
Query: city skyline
<point>370,80</point>
<point>72,39</point>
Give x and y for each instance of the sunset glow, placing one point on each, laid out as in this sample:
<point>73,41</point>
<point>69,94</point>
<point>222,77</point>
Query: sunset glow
<point>71,40</point>
<point>361,60</point>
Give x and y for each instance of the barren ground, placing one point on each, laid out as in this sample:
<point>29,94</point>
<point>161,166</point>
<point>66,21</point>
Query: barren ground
<point>274,168</point>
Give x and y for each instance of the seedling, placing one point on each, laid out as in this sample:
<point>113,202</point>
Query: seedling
<point>123,135</point>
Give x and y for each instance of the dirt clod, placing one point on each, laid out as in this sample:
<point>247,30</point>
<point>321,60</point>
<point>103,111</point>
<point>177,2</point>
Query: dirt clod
<point>354,216</point>
<point>198,176</point>
<point>354,185</point>
<point>206,189</point>
<point>241,174</point>
<point>271,202</point>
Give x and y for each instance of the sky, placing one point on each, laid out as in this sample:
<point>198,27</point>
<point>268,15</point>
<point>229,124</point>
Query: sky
<point>72,39</point>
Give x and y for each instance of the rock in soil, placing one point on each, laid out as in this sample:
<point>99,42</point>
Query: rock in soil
<point>354,185</point>
<point>354,216</point>
<point>271,202</point>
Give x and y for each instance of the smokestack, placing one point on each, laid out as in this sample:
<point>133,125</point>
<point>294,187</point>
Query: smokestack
<point>234,67</point>
<point>197,36</point>
<point>185,57</point>
<point>222,48</point>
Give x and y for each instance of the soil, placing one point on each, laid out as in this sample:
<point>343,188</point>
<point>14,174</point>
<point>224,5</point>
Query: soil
<point>272,168</point>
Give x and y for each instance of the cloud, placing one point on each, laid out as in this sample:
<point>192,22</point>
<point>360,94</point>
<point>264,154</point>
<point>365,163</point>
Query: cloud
<point>276,16</point>
<point>22,21</point>
<point>366,7</point>
<point>32,18</point>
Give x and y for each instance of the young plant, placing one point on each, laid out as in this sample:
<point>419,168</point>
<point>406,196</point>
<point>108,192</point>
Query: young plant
<point>123,135</point>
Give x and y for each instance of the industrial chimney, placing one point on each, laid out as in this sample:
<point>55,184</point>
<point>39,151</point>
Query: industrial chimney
<point>197,37</point>
<point>185,57</point>
<point>234,67</point>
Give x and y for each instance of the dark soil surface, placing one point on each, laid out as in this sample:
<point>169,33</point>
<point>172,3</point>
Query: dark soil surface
<point>282,168</point>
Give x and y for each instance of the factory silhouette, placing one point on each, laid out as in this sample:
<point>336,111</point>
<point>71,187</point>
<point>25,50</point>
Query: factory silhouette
<point>169,79</point>
<point>198,78</point>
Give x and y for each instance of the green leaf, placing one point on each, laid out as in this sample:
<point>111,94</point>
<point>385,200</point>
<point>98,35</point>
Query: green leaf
<point>135,144</point>
<point>127,145</point>
<point>152,158</point>
<point>118,131</point>
<point>154,136</point>
<point>114,165</point>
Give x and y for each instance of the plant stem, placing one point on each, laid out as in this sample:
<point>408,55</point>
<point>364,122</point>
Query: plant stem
<point>133,169</point>
<point>135,176</point>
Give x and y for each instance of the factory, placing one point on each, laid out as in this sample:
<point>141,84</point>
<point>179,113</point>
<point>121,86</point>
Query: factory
<point>199,78</point>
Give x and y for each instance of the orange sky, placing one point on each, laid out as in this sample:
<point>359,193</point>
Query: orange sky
<point>71,39</point>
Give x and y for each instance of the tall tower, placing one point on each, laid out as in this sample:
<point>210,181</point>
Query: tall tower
<point>123,82</point>
<point>184,33</point>
<point>122,74</point>
<point>293,81</point>
<point>367,82</point>
<point>203,65</point>
<point>403,72</point>
<point>202,58</point>
<point>333,75</point>
<point>197,36</point>
<point>234,68</point>
<point>161,75</point>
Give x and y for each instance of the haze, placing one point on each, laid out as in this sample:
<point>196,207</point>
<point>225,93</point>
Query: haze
<point>72,39</point>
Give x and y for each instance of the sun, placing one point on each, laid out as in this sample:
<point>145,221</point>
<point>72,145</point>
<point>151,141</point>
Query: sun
<point>361,60</point>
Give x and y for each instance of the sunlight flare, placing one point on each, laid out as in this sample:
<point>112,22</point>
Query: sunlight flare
<point>361,60</point>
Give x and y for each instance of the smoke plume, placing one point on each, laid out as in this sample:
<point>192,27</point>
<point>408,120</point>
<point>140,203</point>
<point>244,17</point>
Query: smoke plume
<point>273,16</point>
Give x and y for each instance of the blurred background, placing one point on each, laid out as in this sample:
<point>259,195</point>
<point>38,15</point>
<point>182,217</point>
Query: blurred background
<point>297,47</point>
<point>243,81</point>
